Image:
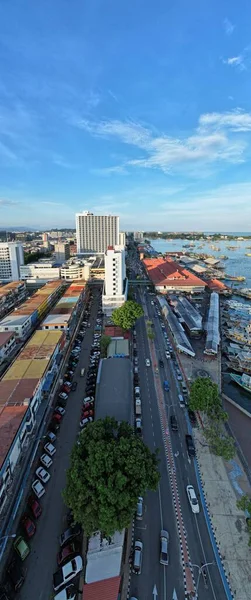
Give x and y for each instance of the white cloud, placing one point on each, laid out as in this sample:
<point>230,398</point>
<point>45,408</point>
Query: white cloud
<point>228,26</point>
<point>211,142</point>
<point>106,171</point>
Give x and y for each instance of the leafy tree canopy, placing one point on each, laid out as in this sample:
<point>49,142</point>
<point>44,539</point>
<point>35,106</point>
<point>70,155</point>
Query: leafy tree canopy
<point>125,316</point>
<point>245,504</point>
<point>204,395</point>
<point>104,343</point>
<point>219,442</point>
<point>110,467</point>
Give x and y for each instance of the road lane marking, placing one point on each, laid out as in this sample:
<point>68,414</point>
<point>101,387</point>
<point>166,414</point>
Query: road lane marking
<point>160,506</point>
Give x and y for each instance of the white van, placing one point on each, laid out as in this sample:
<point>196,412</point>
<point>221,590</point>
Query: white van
<point>82,372</point>
<point>181,401</point>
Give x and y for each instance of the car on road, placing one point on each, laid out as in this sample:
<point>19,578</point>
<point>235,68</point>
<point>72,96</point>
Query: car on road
<point>162,325</point>
<point>192,499</point>
<point>16,575</point>
<point>161,363</point>
<point>164,543</point>
<point>173,423</point>
<point>46,461</point>
<point>55,422</point>
<point>68,384</point>
<point>137,390</point>
<point>190,445</point>
<point>50,449</point>
<point>137,557</point>
<point>28,526</point>
<point>69,534</point>
<point>21,547</point>
<point>136,360</point>
<point>67,553</point>
<point>166,385</point>
<point>88,399</point>
<point>42,474</point>
<point>74,386</point>
<point>85,422</point>
<point>138,426</point>
<point>51,437</point>
<point>168,355</point>
<point>67,572</point>
<point>139,511</point>
<point>68,593</point>
<point>38,488</point>
<point>148,364</point>
<point>87,412</point>
<point>63,395</point>
<point>34,507</point>
<point>60,410</point>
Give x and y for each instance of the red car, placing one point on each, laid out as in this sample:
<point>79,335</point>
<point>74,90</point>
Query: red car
<point>35,507</point>
<point>67,553</point>
<point>87,413</point>
<point>57,417</point>
<point>28,526</point>
<point>66,389</point>
<point>87,406</point>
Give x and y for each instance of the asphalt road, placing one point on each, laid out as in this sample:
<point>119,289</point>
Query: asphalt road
<point>159,511</point>
<point>197,533</point>
<point>42,561</point>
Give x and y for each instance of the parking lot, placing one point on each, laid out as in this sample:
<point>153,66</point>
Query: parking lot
<point>41,562</point>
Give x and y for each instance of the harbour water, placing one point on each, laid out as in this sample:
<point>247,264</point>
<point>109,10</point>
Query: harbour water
<point>236,264</point>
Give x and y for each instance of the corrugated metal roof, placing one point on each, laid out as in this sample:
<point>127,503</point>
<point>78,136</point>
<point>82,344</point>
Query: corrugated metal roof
<point>107,589</point>
<point>10,420</point>
<point>17,370</point>
<point>54,319</point>
<point>5,337</point>
<point>169,273</point>
<point>13,320</point>
<point>118,347</point>
<point>16,391</point>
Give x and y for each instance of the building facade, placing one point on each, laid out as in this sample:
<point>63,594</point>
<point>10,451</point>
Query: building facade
<point>11,259</point>
<point>45,271</point>
<point>122,239</point>
<point>62,252</point>
<point>96,232</point>
<point>75,271</point>
<point>115,286</point>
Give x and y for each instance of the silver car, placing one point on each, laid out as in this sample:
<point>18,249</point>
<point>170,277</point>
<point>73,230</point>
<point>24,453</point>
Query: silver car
<point>139,512</point>
<point>137,556</point>
<point>164,543</point>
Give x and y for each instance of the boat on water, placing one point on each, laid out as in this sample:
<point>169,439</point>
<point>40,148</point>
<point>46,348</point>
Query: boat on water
<point>244,292</point>
<point>223,257</point>
<point>235,277</point>
<point>248,254</point>
<point>243,380</point>
<point>240,362</point>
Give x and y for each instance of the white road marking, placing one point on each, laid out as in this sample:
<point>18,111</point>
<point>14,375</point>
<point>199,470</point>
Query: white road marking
<point>205,560</point>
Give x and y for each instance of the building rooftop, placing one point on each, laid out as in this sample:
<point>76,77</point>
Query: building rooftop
<point>56,319</point>
<point>181,340</point>
<point>13,320</point>
<point>167,272</point>
<point>114,390</point>
<point>5,336</point>
<point>216,284</point>
<point>104,557</point>
<point>118,348</point>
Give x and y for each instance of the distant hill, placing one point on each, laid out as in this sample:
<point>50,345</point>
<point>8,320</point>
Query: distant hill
<point>19,229</point>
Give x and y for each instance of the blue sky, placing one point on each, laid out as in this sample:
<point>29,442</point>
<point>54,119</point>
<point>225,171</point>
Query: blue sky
<point>136,108</point>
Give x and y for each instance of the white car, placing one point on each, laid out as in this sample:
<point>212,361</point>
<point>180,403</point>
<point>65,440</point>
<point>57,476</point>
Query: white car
<point>137,390</point>
<point>38,488</point>
<point>69,593</point>
<point>63,396</point>
<point>85,422</point>
<point>137,557</point>
<point>193,499</point>
<point>60,410</point>
<point>139,511</point>
<point>68,383</point>
<point>46,460</point>
<point>167,354</point>
<point>42,474</point>
<point>67,572</point>
<point>148,364</point>
<point>49,448</point>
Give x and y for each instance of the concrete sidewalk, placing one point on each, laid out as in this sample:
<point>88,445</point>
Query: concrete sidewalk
<point>223,483</point>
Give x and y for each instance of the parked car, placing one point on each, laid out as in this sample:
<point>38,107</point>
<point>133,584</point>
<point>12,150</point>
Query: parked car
<point>190,445</point>
<point>69,534</point>
<point>43,475</point>
<point>67,553</point>
<point>74,386</point>
<point>51,437</point>
<point>139,511</point>
<point>148,364</point>
<point>55,423</point>
<point>50,449</point>
<point>137,557</point>
<point>192,499</point>
<point>68,383</point>
<point>86,412</point>
<point>67,572</point>
<point>161,363</point>
<point>68,593</point>
<point>138,426</point>
<point>38,488</point>
<point>15,575</point>
<point>21,547</point>
<point>88,399</point>
<point>60,410</point>
<point>164,543</point>
<point>85,422</point>
<point>63,395</point>
<point>34,507</point>
<point>46,461</point>
<point>28,526</point>
<point>166,385</point>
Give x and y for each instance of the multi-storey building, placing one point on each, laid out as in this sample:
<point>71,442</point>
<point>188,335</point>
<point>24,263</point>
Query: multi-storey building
<point>62,252</point>
<point>96,232</point>
<point>11,259</point>
<point>115,287</point>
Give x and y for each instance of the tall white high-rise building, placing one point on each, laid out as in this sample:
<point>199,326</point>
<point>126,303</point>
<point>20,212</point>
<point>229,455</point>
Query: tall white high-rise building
<point>122,238</point>
<point>116,284</point>
<point>11,259</point>
<point>96,232</point>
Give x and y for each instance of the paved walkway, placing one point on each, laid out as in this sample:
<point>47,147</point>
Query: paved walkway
<point>223,483</point>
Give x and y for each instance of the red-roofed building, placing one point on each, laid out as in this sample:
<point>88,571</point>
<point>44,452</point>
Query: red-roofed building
<point>107,589</point>
<point>116,332</point>
<point>215,285</point>
<point>167,275</point>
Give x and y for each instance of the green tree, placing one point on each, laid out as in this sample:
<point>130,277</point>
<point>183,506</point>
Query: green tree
<point>104,343</point>
<point>126,315</point>
<point>110,467</point>
<point>245,504</point>
<point>204,395</point>
<point>219,442</point>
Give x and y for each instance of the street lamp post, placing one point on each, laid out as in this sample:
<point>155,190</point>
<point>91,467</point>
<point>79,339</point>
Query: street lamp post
<point>201,570</point>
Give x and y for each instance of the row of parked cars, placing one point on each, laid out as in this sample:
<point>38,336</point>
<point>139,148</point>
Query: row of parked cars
<point>87,414</point>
